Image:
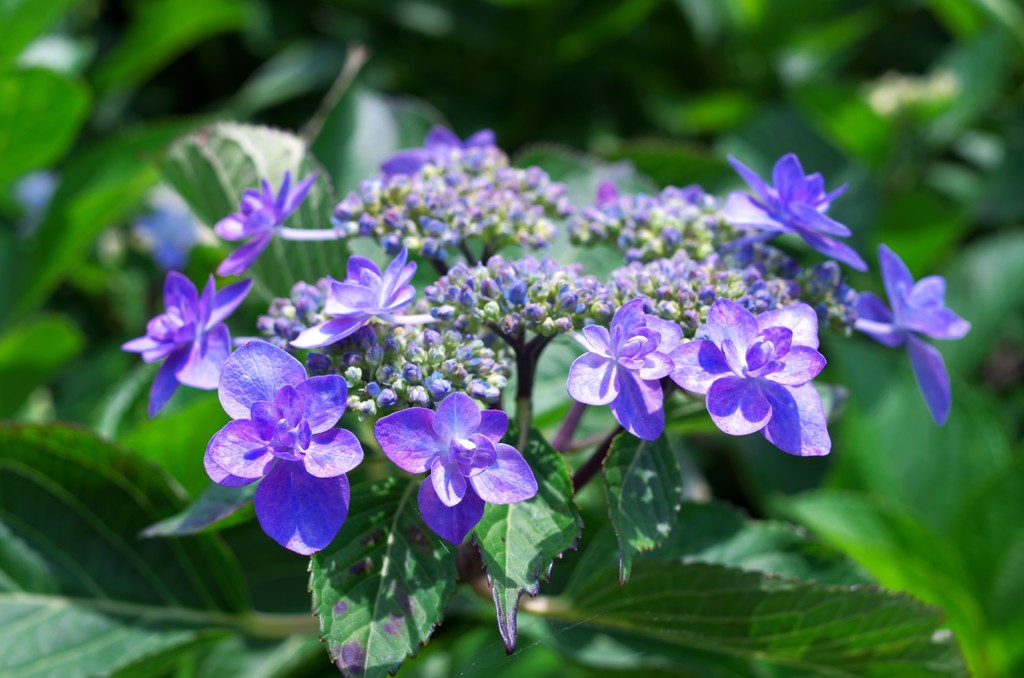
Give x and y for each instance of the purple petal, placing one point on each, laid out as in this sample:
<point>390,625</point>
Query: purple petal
<point>241,259</point>
<point>323,401</point>
<point>730,322</point>
<point>348,297</point>
<point>656,365</point>
<point>630,316</point>
<point>788,177</point>
<point>397,274</point>
<point>484,137</point>
<point>227,300</point>
<point>799,366</point>
<point>750,176</point>
<point>405,162</point>
<point>928,291</point>
<point>592,380</point>
<point>937,323</point>
<point>669,332</point>
<point>205,309</point>
<point>166,381</point>
<point>301,512</point>
<point>221,476</point>
<point>296,195</point>
<point>737,406</point>
<point>607,194</point>
<point>742,210</point>
<point>179,292</point>
<point>896,276</point>
<point>451,522</point>
<point>598,340</point>
<point>506,481</point>
<point>239,450</point>
<point>440,136</point>
<point>255,372</point>
<point>797,425</point>
<point>831,247</point>
<point>800,319</point>
<point>875,320</point>
<point>639,406</point>
<point>781,338</point>
<point>698,364</point>
<point>932,378</point>
<point>332,331</point>
<point>448,481</point>
<point>813,220</point>
<point>493,424</point>
<point>356,268</point>
<point>206,359</point>
<point>458,416</point>
<point>332,453</point>
<point>147,345</point>
<point>230,227</point>
<point>407,438</point>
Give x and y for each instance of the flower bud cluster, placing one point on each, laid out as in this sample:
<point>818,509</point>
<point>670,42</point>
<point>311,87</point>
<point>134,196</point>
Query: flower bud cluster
<point>647,227</point>
<point>462,193</point>
<point>515,296</point>
<point>824,288</point>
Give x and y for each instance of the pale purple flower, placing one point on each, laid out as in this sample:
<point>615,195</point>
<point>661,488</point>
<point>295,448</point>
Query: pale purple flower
<point>283,434</point>
<point>461,447</point>
<point>190,336</point>
<point>439,141</point>
<point>756,373</point>
<point>917,308</point>
<point>364,294</point>
<point>624,366</point>
<point>796,203</point>
<point>259,213</point>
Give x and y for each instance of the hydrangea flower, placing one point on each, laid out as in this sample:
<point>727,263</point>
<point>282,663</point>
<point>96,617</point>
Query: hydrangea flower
<point>190,336</point>
<point>756,373</point>
<point>623,367</point>
<point>917,308</point>
<point>439,140</point>
<point>796,203</point>
<point>282,432</point>
<point>365,293</point>
<point>259,214</point>
<point>461,447</point>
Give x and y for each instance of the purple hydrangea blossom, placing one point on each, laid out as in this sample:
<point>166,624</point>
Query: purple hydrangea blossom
<point>259,214</point>
<point>756,373</point>
<point>469,465</point>
<point>439,141</point>
<point>796,203</point>
<point>917,308</point>
<point>190,336</point>
<point>282,432</point>
<point>364,294</point>
<point>623,367</point>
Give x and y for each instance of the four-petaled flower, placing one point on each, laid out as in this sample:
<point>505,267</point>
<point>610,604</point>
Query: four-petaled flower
<point>756,372</point>
<point>364,294</point>
<point>190,334</point>
<point>917,308</point>
<point>283,433</point>
<point>624,366</point>
<point>461,447</point>
<point>439,140</point>
<point>795,204</point>
<point>259,213</point>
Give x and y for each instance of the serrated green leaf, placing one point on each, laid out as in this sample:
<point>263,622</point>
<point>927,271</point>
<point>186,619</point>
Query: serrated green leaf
<point>40,113</point>
<point>211,169</point>
<point>519,542</point>
<point>216,508</point>
<point>80,595</point>
<point>712,612</point>
<point>643,485</point>
<point>381,587</point>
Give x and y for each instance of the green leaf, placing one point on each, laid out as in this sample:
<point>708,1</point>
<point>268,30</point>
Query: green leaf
<point>80,594</point>
<point>24,20</point>
<point>40,114</point>
<point>162,29</point>
<point>380,588</point>
<point>643,485</point>
<point>846,119</point>
<point>716,614</point>
<point>519,542</point>
<point>211,169</point>
<point>31,353</point>
<point>216,508</point>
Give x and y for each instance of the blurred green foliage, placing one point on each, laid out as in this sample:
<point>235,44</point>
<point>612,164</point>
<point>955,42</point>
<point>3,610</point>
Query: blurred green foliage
<point>917,104</point>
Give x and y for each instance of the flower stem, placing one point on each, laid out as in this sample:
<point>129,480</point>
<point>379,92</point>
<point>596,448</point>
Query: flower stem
<point>592,465</point>
<point>563,439</point>
<point>310,234</point>
<point>268,625</point>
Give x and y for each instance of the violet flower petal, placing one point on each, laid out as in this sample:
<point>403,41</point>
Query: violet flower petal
<point>239,450</point>
<point>448,481</point>
<point>655,366</point>
<point>493,424</point>
<point>742,210</point>
<point>932,378</point>
<point>407,438</point>
<point>814,220</point>
<point>750,176</point>
<point>697,364</point>
<point>834,249</point>
<point>330,332</point>
<point>230,228</point>
<point>508,480</point>
<point>441,137</point>
<point>896,277</point>
<point>255,372</point>
<point>356,267</point>
<point>800,319</point>
<point>788,177</point>
<point>458,416</point>
<point>875,320</point>
<point>592,380</point>
<point>737,406</point>
<point>797,424</point>
<point>450,522</point>
<point>179,292</point>
<point>937,323</point>
<point>241,259</point>
<point>220,476</point>
<point>166,381</point>
<point>800,365</point>
<point>206,359</point>
<point>323,401</point>
<point>597,339</point>
<point>295,196</point>
<point>227,300</point>
<point>405,162</point>
<point>670,333</point>
<point>484,137</point>
<point>728,321</point>
<point>639,406</point>
<point>332,453</point>
<point>301,512</point>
